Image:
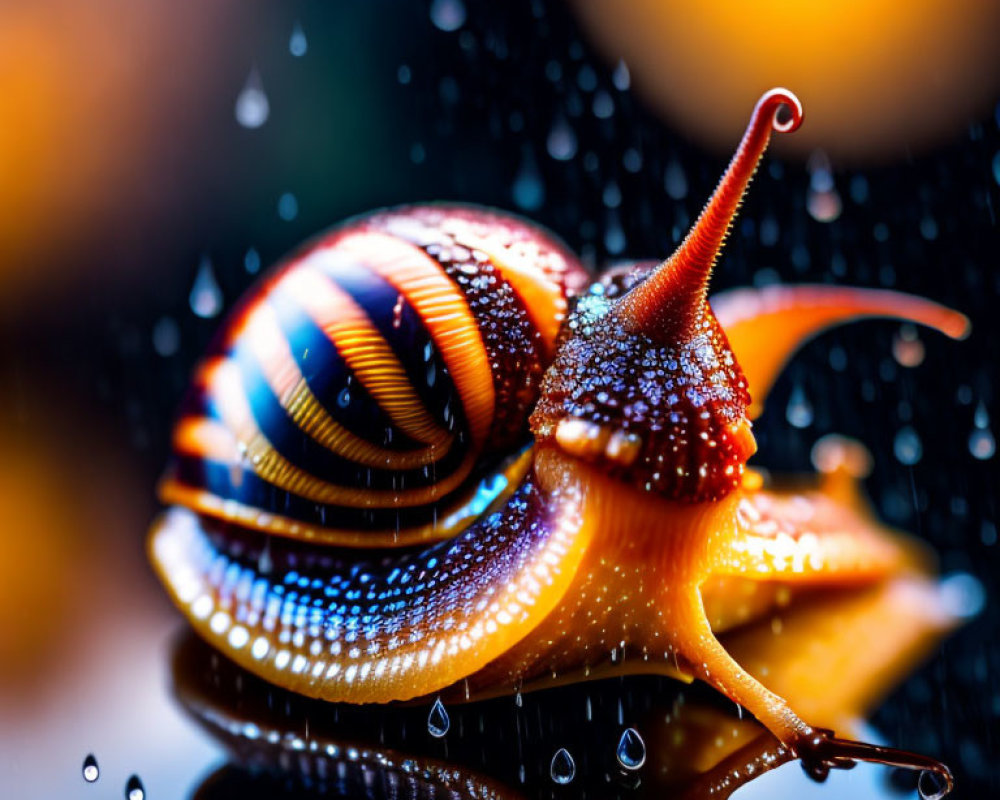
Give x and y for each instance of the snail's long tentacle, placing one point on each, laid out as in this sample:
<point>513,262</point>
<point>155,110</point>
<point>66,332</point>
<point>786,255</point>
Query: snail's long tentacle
<point>766,326</point>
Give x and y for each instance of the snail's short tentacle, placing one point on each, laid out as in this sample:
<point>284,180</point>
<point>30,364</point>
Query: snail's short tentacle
<point>819,749</point>
<point>695,641</point>
<point>766,326</point>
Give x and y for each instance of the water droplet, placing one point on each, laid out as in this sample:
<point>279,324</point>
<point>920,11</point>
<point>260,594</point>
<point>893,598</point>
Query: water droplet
<point>431,373</point>
<point>675,181</point>
<point>528,190</point>
<point>799,411</point>
<point>288,206</point>
<point>631,750</point>
<point>621,77</point>
<point>448,15</point>
<point>996,167</point>
<point>252,107</point>
<point>206,296</point>
<point>907,348</point>
<point>134,789</point>
<point>962,595</point>
<point>91,772</point>
<point>437,721</point>
<point>614,235</point>
<point>297,42</point>
<point>603,106</point>
<point>982,444</point>
<point>518,699</point>
<point>344,398</point>
<point>563,768</point>
<point>251,261</point>
<point>612,196</point>
<point>561,143</point>
<point>931,786</point>
<point>166,336</point>
<point>907,446</point>
<point>823,206</point>
<point>982,417</point>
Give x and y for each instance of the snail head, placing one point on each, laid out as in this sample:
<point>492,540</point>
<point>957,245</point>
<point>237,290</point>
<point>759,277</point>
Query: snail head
<point>644,384</point>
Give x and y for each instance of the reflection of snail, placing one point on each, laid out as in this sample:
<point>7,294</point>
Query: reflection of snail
<point>362,397</point>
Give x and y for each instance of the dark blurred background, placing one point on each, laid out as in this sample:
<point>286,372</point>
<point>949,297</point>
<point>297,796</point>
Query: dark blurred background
<point>155,156</point>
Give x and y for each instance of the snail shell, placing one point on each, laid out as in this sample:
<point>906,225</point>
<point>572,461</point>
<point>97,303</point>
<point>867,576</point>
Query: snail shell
<point>374,390</point>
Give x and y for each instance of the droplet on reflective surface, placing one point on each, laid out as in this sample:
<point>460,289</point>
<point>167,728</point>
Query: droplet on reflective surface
<point>799,411</point>
<point>907,446</point>
<point>561,143</point>
<point>528,190</point>
<point>91,772</point>
<point>931,786</point>
<point>631,750</point>
<point>563,768</point>
<point>252,107</point>
<point>134,789</point>
<point>206,296</point>
<point>448,15</point>
<point>251,261</point>
<point>297,42</point>
<point>166,336</point>
<point>437,721</point>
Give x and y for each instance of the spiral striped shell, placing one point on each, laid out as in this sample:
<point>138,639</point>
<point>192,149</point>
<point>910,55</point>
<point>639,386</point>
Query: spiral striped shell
<point>375,389</point>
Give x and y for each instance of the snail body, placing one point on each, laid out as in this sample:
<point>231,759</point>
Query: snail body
<point>625,524</point>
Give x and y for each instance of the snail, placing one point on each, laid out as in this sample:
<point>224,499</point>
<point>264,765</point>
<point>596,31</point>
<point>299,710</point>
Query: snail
<point>358,514</point>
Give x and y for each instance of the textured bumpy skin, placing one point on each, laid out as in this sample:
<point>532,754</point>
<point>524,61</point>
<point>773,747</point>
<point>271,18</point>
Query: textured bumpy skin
<point>375,392</point>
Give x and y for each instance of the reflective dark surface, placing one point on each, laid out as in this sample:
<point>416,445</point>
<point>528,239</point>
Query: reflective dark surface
<point>100,330</point>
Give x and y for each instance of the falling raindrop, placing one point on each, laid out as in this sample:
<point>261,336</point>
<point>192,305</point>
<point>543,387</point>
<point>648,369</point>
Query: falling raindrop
<point>982,443</point>
<point>288,206</point>
<point>631,750</point>
<point>448,15</point>
<point>91,772</point>
<point>561,143</point>
<point>252,107</point>
<point>799,411</point>
<point>614,236</point>
<point>206,296</point>
<point>823,200</point>
<point>907,446</point>
<point>621,77</point>
<point>297,43</point>
<point>612,196</point>
<point>344,398</point>
<point>437,721</point>
<point>166,336</point>
<point>603,106</point>
<point>907,348</point>
<point>528,190</point>
<point>251,261</point>
<point>134,789</point>
<point>563,768</point>
<point>769,231</point>
<point>931,786</point>
<point>675,181</point>
<point>404,75</point>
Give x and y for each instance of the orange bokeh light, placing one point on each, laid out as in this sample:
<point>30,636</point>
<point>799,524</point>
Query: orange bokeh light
<point>878,79</point>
